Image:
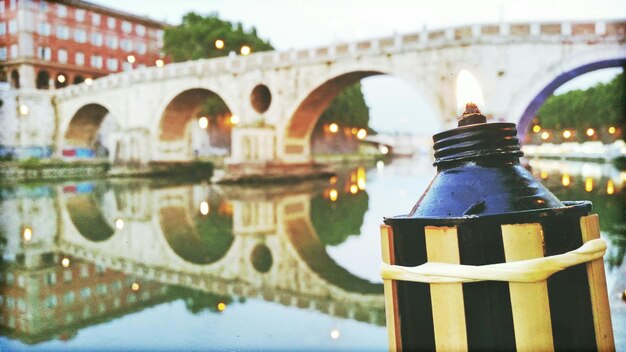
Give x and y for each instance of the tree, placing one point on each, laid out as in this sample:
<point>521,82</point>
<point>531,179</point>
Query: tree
<point>348,109</point>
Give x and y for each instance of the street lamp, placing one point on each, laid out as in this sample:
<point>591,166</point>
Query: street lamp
<point>219,44</point>
<point>333,128</point>
<point>203,122</point>
<point>159,63</point>
<point>130,59</point>
<point>245,50</point>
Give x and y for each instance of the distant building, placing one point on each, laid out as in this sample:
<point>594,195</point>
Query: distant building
<point>51,44</point>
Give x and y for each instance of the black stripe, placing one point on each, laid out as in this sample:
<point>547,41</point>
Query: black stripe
<point>568,290</point>
<point>488,313</point>
<point>414,306</point>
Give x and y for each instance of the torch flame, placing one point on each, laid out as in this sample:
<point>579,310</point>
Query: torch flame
<point>468,90</point>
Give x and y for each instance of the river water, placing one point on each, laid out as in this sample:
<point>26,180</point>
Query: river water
<point>175,265</point>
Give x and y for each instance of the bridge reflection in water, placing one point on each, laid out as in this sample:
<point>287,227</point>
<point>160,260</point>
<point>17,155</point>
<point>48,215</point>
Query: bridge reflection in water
<point>79,254</point>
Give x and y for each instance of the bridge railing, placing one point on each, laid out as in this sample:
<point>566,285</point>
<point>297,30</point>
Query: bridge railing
<point>572,31</point>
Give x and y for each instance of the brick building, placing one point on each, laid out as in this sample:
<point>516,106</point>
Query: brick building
<point>46,44</point>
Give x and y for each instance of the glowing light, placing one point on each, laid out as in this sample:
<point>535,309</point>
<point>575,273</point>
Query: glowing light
<point>221,306</point>
<point>612,130</point>
<point>159,63</point>
<point>119,223</point>
<point>61,78</point>
<point>23,110</point>
<point>204,208</point>
<point>88,81</point>
<point>536,128</point>
<point>590,132</point>
<point>334,334</point>
<point>333,128</point>
<point>245,50</point>
<point>333,180</point>
<point>360,178</point>
<point>567,134</point>
<point>203,122</point>
<point>545,135</point>
<point>333,194</point>
<point>130,59</point>
<point>219,44</point>
<point>135,287</point>
<point>234,119</point>
<point>565,180</point>
<point>65,262</point>
<point>544,175</point>
<point>468,90</point>
<point>380,165</point>
<point>354,130</point>
<point>610,188</point>
<point>361,134</point>
<point>354,189</point>
<point>383,149</point>
<point>589,184</point>
<point>27,234</point>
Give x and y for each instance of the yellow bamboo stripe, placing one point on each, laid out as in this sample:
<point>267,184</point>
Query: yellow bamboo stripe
<point>391,306</point>
<point>590,228</point>
<point>529,300</point>
<point>442,245</point>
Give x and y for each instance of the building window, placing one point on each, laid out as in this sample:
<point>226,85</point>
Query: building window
<point>13,26</point>
<point>61,11</point>
<point>112,64</point>
<point>111,23</point>
<point>79,14</point>
<point>127,66</point>
<point>126,45</point>
<point>141,48</point>
<point>96,39</point>
<point>67,275</point>
<point>85,292</point>
<point>84,271</point>
<point>96,61</point>
<point>127,27</point>
<point>51,301</point>
<point>95,19</point>
<point>9,279</point>
<point>63,32</point>
<point>79,59</point>
<point>111,41</point>
<point>44,53</point>
<point>43,6</point>
<point>12,4</point>
<point>140,29</point>
<point>62,56</point>
<point>101,289</point>
<point>3,28</point>
<point>69,297</point>
<point>80,36</point>
<point>3,53</point>
<point>2,10</point>
<point>21,281</point>
<point>14,52</point>
<point>51,278</point>
<point>43,28</point>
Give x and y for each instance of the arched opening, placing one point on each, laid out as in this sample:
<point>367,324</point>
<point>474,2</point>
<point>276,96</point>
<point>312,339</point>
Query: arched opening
<point>86,215</point>
<point>43,80</point>
<point>201,238</point>
<point>261,98</point>
<point>529,115</point>
<point>78,79</point>
<point>203,118</point>
<point>61,80</point>
<point>15,79</point>
<point>89,133</point>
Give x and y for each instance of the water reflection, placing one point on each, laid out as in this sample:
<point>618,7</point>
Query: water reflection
<point>80,254</point>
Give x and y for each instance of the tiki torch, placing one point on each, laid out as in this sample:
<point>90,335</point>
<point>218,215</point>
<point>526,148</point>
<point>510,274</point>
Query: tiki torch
<point>489,259</point>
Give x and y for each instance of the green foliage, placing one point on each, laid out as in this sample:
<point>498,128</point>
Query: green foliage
<point>600,105</point>
<point>214,106</point>
<point>216,231</point>
<point>197,301</point>
<point>348,109</point>
<point>195,38</point>
<point>335,221</point>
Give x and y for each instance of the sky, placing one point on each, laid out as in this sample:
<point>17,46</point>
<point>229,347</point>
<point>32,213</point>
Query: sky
<point>295,24</point>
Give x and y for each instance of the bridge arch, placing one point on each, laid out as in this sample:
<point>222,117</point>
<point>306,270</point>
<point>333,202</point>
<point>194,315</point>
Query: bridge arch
<point>82,128</point>
<point>556,75</point>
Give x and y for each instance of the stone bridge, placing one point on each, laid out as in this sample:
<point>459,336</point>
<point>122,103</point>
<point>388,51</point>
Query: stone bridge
<point>278,96</point>
<point>271,251</point>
